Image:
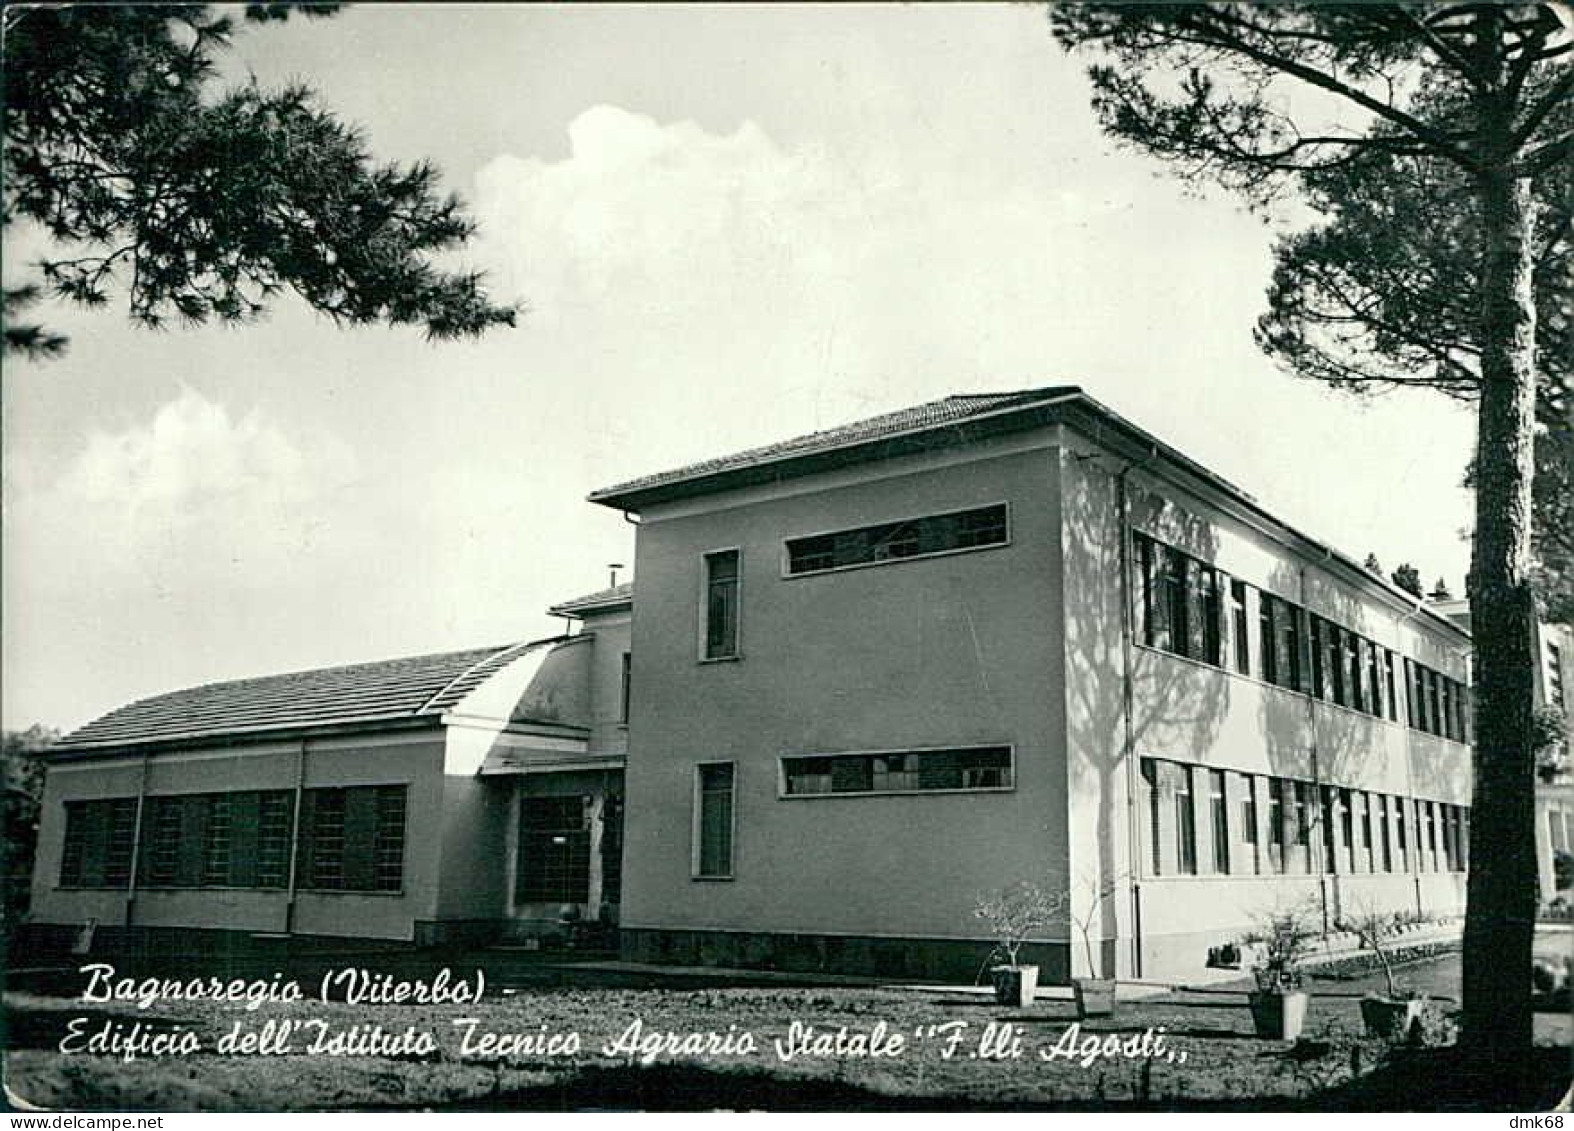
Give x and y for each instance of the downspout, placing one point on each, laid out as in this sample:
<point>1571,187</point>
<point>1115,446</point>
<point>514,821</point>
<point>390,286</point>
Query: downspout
<point>136,842</point>
<point>1128,698</point>
<point>1320,868</point>
<point>295,841</point>
<point>1413,850</point>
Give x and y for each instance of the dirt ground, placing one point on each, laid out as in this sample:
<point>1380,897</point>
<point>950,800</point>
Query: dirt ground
<point>527,1045</point>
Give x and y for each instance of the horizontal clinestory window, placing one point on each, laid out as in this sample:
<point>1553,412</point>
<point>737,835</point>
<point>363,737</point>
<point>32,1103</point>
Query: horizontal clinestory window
<point>895,541</point>
<point>910,771</point>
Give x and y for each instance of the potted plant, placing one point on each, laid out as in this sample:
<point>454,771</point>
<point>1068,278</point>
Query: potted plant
<point>1396,1014</point>
<point>1013,914</point>
<point>1095,995</point>
<point>1280,941</point>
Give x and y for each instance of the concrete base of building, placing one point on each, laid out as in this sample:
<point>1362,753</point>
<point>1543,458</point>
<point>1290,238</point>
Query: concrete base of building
<point>937,960</point>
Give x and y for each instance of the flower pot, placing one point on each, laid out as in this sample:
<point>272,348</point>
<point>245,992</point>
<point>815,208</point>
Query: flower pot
<point>1278,1014</point>
<point>1095,996</point>
<point>1015,985</point>
<point>1391,1018</point>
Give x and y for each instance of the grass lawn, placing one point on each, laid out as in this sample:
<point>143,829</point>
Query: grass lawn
<point>1207,1057</point>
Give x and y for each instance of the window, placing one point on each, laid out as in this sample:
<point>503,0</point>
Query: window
<point>721,605</point>
<point>625,685</point>
<point>1347,827</point>
<point>353,838</point>
<point>1150,776</point>
<point>234,839</point>
<point>1555,676</point>
<point>388,839</point>
<point>1365,802</point>
<point>1221,822</point>
<point>163,853</point>
<point>1374,679</point>
<point>893,541</point>
<point>1386,836</point>
<point>713,821</point>
<point>985,767</point>
<point>1437,703</point>
<point>554,850</point>
<point>1303,825</point>
<point>1352,657</point>
<point>1243,662</point>
<point>1181,603</point>
<point>1185,823</point>
<point>1330,843</point>
<point>1279,628</point>
<point>216,842</point>
<point>1401,839</point>
<point>99,837</point>
<point>275,812</point>
<point>1388,681</point>
<point>1249,821</point>
<point>1276,791</point>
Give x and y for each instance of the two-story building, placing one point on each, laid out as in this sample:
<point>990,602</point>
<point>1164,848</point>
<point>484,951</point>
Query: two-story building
<point>881,671</point>
<point>888,668</point>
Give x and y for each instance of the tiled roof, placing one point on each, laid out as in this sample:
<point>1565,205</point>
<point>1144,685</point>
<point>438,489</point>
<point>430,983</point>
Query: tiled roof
<point>949,411</point>
<point>601,598</point>
<point>409,688</point>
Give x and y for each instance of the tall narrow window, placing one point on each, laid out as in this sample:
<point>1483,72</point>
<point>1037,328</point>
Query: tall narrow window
<point>1150,778</point>
<point>1320,682</point>
<point>276,808</point>
<point>388,838</point>
<point>1388,680</point>
<point>1366,832</point>
<point>1185,823</point>
<point>721,605</point>
<point>1386,836</point>
<point>1249,822</point>
<point>1333,653</point>
<point>625,685</point>
<point>1220,807</point>
<point>1265,639</point>
<point>1352,656</point>
<point>1243,661</point>
<point>1303,825</point>
<point>327,837</point>
<point>1347,827</point>
<point>713,852</point>
<point>1276,789</point>
<point>216,842</point>
<point>1555,676</point>
<point>1330,842</point>
<point>1374,679</point>
<point>1401,837</point>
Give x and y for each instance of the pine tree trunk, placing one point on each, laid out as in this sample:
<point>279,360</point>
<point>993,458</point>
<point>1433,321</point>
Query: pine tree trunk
<point>1500,920</point>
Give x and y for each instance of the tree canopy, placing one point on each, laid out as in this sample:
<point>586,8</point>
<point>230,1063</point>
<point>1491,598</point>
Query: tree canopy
<point>205,204</point>
<point>1277,99</point>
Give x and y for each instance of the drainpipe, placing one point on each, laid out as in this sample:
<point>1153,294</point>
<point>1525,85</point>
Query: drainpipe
<point>295,840</point>
<point>136,842</point>
<point>1133,839</point>
<point>1414,830</point>
<point>1320,867</point>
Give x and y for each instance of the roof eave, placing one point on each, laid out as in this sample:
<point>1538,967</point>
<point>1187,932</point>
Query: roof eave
<point>111,748</point>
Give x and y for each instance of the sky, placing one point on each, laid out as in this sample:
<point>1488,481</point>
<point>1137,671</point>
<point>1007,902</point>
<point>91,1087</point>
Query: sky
<point>726,226</point>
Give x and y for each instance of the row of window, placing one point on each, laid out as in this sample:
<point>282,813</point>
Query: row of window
<point>350,839</point>
<point>1191,609</point>
<point>1257,824</point>
<point>926,536</point>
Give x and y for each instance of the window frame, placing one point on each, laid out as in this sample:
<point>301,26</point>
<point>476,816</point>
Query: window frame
<point>706,585</point>
<point>697,829</point>
<point>1004,505</point>
<point>1011,768</point>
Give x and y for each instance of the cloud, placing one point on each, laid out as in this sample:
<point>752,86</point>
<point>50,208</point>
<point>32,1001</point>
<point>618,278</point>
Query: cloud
<point>162,531</point>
